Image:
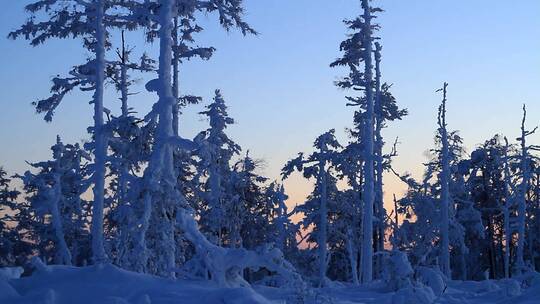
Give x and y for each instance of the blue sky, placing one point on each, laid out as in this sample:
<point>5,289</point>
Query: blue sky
<point>280,89</point>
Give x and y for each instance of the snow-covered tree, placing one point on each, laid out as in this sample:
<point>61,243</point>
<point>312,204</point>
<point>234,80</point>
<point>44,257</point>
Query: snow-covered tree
<point>128,142</point>
<point>89,20</point>
<point>9,237</point>
<point>422,208</point>
<point>54,193</point>
<point>386,110</point>
<point>283,229</point>
<point>253,209</point>
<point>506,208</point>
<point>183,49</point>
<point>318,166</point>
<point>118,71</point>
<point>159,190</point>
<point>525,175</point>
<point>445,188</point>
<point>533,211</point>
<point>358,51</point>
<point>215,167</point>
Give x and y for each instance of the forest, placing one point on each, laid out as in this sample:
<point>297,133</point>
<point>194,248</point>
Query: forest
<point>137,213</point>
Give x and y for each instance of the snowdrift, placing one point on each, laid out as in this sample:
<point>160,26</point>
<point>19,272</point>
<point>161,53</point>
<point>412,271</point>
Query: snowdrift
<point>109,284</point>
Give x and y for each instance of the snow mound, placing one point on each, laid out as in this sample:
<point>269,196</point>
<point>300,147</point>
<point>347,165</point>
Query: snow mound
<point>510,288</point>
<point>108,284</point>
<point>417,295</point>
<point>6,290</point>
<point>8,273</point>
<point>431,278</point>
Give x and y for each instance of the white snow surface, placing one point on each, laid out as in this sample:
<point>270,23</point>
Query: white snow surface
<point>109,284</point>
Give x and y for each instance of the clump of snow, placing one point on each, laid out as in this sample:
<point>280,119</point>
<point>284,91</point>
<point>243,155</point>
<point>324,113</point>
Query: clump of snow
<point>49,297</point>
<point>411,294</point>
<point>8,273</point>
<point>7,292</point>
<point>398,271</point>
<point>431,278</point>
<point>532,293</point>
<point>488,285</point>
<point>510,288</point>
<point>39,265</point>
<point>398,276</point>
<point>528,279</point>
<point>401,265</point>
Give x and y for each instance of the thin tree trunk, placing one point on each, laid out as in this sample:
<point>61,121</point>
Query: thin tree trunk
<point>352,256</point>
<point>123,78</point>
<point>124,95</point>
<point>520,263</point>
<point>445,191</point>
<point>492,256</point>
<point>381,214</point>
<point>100,152</point>
<point>176,81</point>
<point>323,217</point>
<point>395,244</point>
<point>530,235</point>
<point>64,254</point>
<point>506,212</point>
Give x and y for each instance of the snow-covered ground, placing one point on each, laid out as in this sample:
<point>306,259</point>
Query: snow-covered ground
<point>109,284</point>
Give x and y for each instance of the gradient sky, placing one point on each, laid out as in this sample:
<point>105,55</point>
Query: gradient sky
<point>280,89</point>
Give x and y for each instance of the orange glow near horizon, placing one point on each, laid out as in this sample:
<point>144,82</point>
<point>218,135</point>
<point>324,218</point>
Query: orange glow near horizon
<point>299,188</point>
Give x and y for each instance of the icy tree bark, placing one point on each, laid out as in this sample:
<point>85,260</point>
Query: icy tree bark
<point>214,183</point>
<point>445,191</point>
<point>166,99</point>
<point>165,131</point>
<point>282,219</point>
<point>506,212</point>
<point>176,80</point>
<point>536,216</point>
<point>369,195</point>
<point>124,93</point>
<point>100,153</point>
<point>352,256</point>
<point>526,176</point>
<point>379,116</point>
<point>64,255</point>
<point>323,217</point>
<point>160,171</point>
<point>531,231</point>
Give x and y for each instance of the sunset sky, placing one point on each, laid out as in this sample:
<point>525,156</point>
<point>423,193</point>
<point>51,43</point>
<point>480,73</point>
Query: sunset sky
<point>280,89</point>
